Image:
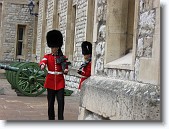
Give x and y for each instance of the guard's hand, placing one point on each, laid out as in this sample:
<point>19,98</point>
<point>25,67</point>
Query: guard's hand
<point>79,72</point>
<point>65,71</point>
<point>42,67</point>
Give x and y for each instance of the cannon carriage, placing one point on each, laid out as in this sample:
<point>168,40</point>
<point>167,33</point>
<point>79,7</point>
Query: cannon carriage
<point>26,78</point>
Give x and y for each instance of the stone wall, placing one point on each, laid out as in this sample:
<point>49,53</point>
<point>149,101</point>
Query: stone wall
<point>113,99</point>
<point>120,93</point>
<point>0,20</point>
<point>39,41</point>
<point>63,18</point>
<point>146,34</point>
<point>101,37</point>
<point>14,14</point>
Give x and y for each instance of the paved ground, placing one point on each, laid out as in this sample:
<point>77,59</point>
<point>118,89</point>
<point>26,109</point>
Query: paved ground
<point>13,107</point>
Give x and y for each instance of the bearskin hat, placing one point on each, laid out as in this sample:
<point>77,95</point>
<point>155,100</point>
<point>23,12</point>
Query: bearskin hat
<point>86,48</point>
<point>54,38</point>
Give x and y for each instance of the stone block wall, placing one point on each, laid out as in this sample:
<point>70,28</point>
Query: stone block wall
<point>15,13</point>
<point>0,19</point>
<point>72,79</point>
<point>148,32</point>
<point>105,98</point>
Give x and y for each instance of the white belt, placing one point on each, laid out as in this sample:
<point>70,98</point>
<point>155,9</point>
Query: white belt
<point>83,76</point>
<point>54,72</point>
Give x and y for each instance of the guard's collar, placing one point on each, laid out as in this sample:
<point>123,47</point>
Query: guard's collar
<point>54,54</point>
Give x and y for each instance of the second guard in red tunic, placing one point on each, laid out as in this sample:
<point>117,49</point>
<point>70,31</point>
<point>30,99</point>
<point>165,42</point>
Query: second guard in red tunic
<point>85,69</point>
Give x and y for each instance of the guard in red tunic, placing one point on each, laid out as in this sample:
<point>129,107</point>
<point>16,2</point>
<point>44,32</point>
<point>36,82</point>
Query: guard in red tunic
<point>85,69</point>
<point>57,66</point>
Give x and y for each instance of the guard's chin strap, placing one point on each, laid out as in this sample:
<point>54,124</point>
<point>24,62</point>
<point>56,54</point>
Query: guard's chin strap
<point>60,53</point>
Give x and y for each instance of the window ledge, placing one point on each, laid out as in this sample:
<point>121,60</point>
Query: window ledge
<point>20,57</point>
<point>124,62</point>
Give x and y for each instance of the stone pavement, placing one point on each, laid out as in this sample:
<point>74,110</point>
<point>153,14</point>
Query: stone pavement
<point>13,107</point>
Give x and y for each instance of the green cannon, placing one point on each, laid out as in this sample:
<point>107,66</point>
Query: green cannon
<point>27,78</point>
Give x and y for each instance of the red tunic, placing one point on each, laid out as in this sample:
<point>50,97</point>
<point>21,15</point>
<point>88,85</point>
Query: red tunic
<point>86,72</point>
<point>53,81</point>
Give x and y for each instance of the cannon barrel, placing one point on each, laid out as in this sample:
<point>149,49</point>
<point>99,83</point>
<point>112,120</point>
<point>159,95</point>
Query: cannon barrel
<point>15,69</point>
<point>27,78</point>
<point>7,67</point>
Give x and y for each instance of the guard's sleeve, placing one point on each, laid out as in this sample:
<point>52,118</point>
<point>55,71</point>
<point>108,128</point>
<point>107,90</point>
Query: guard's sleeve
<point>86,71</point>
<point>66,63</point>
<point>44,60</point>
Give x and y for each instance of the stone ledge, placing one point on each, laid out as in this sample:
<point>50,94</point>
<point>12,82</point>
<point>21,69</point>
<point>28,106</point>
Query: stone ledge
<point>120,100</point>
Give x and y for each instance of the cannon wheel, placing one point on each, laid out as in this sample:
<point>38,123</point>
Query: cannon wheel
<point>30,79</point>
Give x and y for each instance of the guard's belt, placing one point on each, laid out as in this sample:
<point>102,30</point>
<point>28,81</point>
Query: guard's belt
<point>54,72</point>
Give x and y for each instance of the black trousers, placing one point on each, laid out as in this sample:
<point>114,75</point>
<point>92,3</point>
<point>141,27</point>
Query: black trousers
<point>59,94</point>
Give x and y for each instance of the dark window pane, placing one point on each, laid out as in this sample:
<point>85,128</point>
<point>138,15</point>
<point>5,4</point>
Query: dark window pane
<point>20,31</point>
<point>19,50</point>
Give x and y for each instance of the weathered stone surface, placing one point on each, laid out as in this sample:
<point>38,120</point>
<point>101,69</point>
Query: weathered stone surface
<point>120,100</point>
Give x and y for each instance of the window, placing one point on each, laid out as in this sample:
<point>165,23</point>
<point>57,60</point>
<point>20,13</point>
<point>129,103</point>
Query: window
<point>20,40</point>
<point>120,36</point>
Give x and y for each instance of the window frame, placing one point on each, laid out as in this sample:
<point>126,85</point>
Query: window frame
<point>23,52</point>
<point>122,61</point>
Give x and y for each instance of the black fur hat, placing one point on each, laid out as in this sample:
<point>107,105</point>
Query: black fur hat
<point>86,48</point>
<point>54,38</point>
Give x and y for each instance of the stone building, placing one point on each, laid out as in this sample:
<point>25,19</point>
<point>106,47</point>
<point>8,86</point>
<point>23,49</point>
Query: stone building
<point>17,41</point>
<point>125,81</point>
